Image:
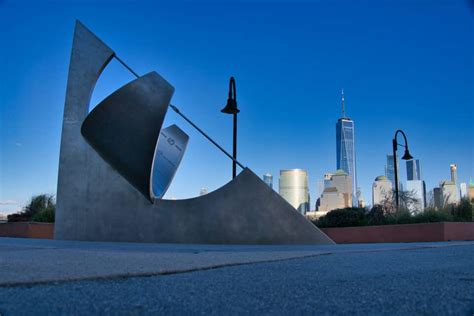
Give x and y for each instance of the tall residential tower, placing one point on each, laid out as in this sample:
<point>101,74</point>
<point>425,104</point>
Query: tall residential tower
<point>345,148</point>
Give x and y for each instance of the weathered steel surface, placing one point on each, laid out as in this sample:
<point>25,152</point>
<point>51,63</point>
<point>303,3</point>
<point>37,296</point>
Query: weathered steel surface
<point>89,57</point>
<point>125,126</point>
<point>96,203</point>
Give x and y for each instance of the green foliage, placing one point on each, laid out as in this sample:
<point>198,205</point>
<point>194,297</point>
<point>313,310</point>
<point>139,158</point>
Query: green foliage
<point>464,211</point>
<point>46,216</point>
<point>348,217</point>
<point>41,209</point>
<point>432,216</point>
<point>343,217</point>
<point>376,216</point>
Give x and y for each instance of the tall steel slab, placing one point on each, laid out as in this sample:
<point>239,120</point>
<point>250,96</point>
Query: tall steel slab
<point>96,203</point>
<point>89,57</point>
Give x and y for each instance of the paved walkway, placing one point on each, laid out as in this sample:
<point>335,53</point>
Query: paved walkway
<point>61,277</point>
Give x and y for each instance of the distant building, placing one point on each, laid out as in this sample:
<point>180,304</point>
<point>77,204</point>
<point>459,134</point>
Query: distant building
<point>294,188</point>
<point>454,173</point>
<point>331,199</point>
<point>360,198</point>
<point>470,192</point>
<point>268,179</point>
<point>454,178</point>
<point>320,187</point>
<point>345,148</point>
<point>343,183</point>
<point>448,192</point>
<point>413,169</point>
<point>362,202</point>
<point>417,187</point>
<point>463,190</point>
<point>203,191</point>
<point>338,194</point>
<point>390,171</point>
<point>438,198</point>
<point>382,190</point>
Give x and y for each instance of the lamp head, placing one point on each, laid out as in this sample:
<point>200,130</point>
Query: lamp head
<point>407,155</point>
<point>230,107</point>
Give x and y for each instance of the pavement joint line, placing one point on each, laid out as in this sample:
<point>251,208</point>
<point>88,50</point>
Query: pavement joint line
<point>119,276</point>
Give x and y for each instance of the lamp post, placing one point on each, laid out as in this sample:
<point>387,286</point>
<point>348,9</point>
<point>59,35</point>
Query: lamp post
<point>406,156</point>
<point>231,108</point>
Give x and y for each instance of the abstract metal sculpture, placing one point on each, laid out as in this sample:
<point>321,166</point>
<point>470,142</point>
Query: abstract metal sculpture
<point>117,159</point>
<point>124,128</point>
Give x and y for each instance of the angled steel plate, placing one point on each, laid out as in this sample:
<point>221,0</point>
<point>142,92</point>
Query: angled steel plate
<point>170,149</point>
<point>125,126</point>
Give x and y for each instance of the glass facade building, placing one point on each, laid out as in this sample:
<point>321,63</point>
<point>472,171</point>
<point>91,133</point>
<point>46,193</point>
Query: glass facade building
<point>390,171</point>
<point>294,188</point>
<point>345,151</point>
<point>413,170</point>
<point>268,179</point>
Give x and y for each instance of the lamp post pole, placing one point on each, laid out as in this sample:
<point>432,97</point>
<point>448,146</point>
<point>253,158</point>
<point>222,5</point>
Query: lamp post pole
<point>406,156</point>
<point>231,108</point>
<point>234,153</point>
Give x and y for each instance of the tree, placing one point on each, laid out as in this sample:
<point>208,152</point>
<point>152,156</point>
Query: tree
<point>41,208</point>
<point>407,200</point>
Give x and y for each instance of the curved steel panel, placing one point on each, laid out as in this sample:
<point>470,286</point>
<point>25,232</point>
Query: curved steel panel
<point>125,126</point>
<point>169,152</point>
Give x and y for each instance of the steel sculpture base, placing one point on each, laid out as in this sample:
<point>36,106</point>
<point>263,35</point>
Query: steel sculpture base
<point>96,203</point>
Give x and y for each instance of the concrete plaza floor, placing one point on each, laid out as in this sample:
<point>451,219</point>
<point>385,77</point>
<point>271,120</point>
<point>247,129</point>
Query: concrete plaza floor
<point>65,277</point>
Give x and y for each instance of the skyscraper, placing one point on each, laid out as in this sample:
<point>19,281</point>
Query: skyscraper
<point>413,169</point>
<point>345,148</point>
<point>294,188</point>
<point>268,179</point>
<point>390,171</point>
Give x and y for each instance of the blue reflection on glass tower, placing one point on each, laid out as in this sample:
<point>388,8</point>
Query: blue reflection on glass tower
<point>413,169</point>
<point>345,149</point>
<point>268,179</point>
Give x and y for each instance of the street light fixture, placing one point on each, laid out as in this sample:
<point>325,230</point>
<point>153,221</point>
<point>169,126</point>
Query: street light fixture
<point>406,156</point>
<point>231,108</point>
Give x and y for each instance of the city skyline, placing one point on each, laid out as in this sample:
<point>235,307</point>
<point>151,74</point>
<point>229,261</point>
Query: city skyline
<point>289,73</point>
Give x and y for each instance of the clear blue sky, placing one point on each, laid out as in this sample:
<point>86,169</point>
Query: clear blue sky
<point>402,64</point>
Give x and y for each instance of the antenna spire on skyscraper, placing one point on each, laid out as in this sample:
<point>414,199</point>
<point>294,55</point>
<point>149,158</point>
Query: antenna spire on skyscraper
<point>343,108</point>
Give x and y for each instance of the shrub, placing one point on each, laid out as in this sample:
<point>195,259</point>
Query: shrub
<point>46,216</point>
<point>431,216</point>
<point>343,217</point>
<point>377,216</point>
<point>41,208</point>
<point>463,211</point>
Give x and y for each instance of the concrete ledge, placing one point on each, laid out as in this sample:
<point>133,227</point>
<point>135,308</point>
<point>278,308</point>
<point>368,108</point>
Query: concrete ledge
<point>27,230</point>
<point>425,232</point>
